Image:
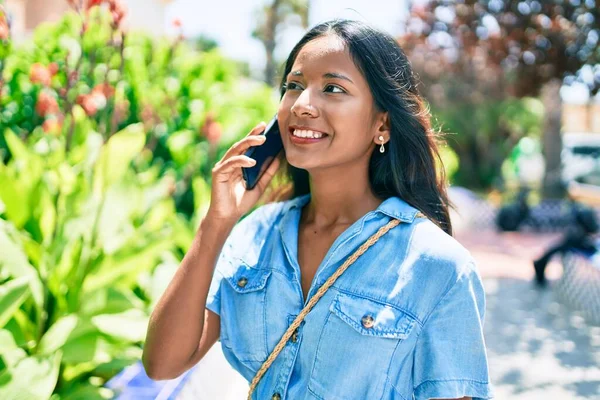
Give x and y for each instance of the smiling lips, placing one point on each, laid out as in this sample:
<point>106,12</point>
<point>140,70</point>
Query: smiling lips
<point>302,135</point>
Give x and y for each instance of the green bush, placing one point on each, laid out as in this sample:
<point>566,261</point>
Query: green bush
<point>193,104</point>
<point>107,140</point>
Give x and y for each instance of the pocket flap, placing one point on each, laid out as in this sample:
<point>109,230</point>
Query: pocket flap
<point>370,317</point>
<point>247,279</point>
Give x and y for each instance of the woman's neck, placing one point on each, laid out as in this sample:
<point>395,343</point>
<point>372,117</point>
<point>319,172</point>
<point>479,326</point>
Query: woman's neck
<point>338,199</point>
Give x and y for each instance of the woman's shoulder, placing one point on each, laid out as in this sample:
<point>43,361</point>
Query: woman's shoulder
<point>433,242</point>
<point>436,266</point>
<point>439,253</point>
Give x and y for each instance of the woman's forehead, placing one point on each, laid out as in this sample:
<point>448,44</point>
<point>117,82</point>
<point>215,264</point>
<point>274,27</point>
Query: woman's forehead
<point>327,52</point>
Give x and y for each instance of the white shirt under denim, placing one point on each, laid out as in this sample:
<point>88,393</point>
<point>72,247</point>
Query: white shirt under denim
<point>405,321</point>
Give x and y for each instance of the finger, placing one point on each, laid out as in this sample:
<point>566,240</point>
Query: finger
<point>241,146</point>
<point>257,129</point>
<point>263,182</point>
<point>233,163</point>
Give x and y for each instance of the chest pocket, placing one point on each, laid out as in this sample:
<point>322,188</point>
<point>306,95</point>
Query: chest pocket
<point>355,348</point>
<point>243,315</point>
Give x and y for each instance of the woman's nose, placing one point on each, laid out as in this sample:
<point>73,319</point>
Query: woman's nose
<point>304,107</point>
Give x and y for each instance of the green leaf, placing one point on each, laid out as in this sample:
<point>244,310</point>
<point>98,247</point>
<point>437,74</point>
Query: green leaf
<point>125,266</point>
<point>162,275</point>
<point>130,325</point>
<point>202,192</point>
<point>159,215</point>
<point>32,378</point>
<point>117,154</point>
<point>66,329</point>
<point>7,342</point>
<point>14,260</point>
<point>45,212</point>
<point>14,197</point>
<point>180,145</point>
<point>17,148</point>
<point>79,340</point>
<point>86,391</point>
<point>93,349</point>
<point>22,327</point>
<point>183,233</point>
<point>116,365</point>
<point>11,353</point>
<point>110,301</point>
<point>69,261</point>
<point>114,225</point>
<point>12,294</point>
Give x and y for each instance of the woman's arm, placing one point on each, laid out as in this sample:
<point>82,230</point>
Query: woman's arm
<point>178,336</point>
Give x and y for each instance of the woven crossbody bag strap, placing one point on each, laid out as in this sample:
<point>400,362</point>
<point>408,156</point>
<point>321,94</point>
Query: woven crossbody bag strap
<point>311,303</point>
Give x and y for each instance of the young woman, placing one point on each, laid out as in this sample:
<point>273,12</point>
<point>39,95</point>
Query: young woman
<point>405,319</point>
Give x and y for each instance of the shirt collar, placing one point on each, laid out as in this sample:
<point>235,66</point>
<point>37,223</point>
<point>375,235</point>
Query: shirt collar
<point>393,207</point>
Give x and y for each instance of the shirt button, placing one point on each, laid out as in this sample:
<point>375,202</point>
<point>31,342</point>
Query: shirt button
<point>276,396</point>
<point>242,282</point>
<point>368,321</point>
<point>295,336</point>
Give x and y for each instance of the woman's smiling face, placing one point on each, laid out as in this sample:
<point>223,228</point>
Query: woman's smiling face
<point>326,95</point>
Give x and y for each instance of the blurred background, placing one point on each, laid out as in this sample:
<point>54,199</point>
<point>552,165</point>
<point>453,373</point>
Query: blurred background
<point>113,112</point>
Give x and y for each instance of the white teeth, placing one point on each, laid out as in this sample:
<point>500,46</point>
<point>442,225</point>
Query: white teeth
<point>307,134</point>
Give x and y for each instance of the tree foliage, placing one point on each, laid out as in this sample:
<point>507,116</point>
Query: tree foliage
<point>477,58</point>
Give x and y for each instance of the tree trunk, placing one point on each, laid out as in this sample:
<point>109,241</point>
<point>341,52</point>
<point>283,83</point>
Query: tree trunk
<point>552,140</point>
<point>270,68</point>
<point>270,42</point>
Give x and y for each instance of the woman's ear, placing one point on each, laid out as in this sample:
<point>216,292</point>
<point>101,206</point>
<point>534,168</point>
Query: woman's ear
<point>383,128</point>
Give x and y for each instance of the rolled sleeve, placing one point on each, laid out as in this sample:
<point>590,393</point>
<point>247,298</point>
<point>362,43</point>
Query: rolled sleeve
<point>450,354</point>
<point>213,301</point>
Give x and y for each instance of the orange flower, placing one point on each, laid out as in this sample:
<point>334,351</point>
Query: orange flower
<point>46,104</point>
<point>211,129</point>
<point>53,68</point>
<point>177,23</point>
<point>4,30</point>
<point>40,74</point>
<point>93,3</point>
<point>92,102</point>
<point>53,125</point>
<point>104,89</point>
<point>118,10</point>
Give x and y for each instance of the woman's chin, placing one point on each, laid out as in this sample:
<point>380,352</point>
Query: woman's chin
<point>300,162</point>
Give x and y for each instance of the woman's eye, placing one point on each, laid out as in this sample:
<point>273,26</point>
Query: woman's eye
<point>334,89</point>
<point>292,86</point>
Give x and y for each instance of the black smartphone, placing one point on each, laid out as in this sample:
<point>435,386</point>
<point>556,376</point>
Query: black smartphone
<point>263,154</point>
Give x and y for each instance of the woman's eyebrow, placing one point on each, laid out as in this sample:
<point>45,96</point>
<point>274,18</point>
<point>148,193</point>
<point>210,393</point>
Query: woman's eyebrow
<point>336,75</point>
<point>326,75</point>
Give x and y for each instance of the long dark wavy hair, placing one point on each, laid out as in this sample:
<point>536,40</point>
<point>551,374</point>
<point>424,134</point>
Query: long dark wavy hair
<point>411,167</point>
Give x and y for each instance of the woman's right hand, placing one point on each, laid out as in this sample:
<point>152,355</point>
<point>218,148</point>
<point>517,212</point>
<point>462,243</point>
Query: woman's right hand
<point>229,198</point>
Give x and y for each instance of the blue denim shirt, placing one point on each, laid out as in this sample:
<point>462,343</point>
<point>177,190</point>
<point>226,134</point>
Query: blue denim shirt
<point>419,285</point>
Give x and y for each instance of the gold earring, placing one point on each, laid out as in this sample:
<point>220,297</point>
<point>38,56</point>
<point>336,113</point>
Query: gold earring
<point>381,149</point>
